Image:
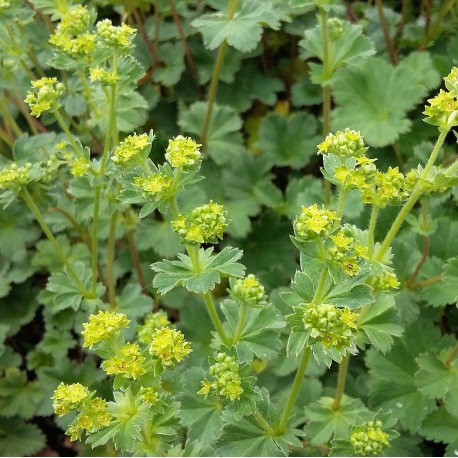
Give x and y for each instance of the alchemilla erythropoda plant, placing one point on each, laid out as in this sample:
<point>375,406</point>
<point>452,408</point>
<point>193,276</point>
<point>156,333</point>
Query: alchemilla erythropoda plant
<point>228,228</point>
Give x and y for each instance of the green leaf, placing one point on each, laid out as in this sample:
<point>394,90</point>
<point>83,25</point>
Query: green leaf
<point>157,235</point>
<point>243,31</point>
<point>258,337</point>
<point>352,293</point>
<point>380,323</point>
<point>402,397</point>
<point>368,100</point>
<point>288,141</point>
<point>17,395</point>
<point>326,423</point>
<point>437,380</point>
<point>440,426</point>
<point>171,274</point>
<point>224,139</point>
<point>201,416</point>
<point>171,56</point>
<point>18,438</point>
<point>133,303</point>
<point>246,438</point>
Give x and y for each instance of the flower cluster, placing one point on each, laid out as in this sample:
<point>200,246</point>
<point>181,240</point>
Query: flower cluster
<point>103,326</point>
<point>330,326</point>
<point>345,144</point>
<point>183,152</point>
<point>249,291</point>
<point>5,4</point>
<point>226,379</point>
<point>79,166</point>
<point>152,322</point>
<point>71,35</point>
<point>68,397</point>
<point>205,224</point>
<point>121,36</point>
<point>129,149</point>
<point>346,252</point>
<point>368,439</point>
<point>106,77</point>
<point>129,362</point>
<point>169,345</point>
<point>154,186</point>
<point>45,96</point>
<point>384,281</point>
<point>314,222</point>
<point>149,395</point>
<point>15,176</point>
<point>442,110</point>
<point>451,81</point>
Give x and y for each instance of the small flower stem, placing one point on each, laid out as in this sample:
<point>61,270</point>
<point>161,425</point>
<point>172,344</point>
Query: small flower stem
<point>95,235</point>
<point>371,230</point>
<point>136,259</point>
<point>110,259</point>
<point>451,357</point>
<point>264,424</point>
<point>6,138</point>
<point>215,76</point>
<point>386,33</point>
<point>411,200</point>
<point>294,390</point>
<point>8,118</point>
<point>208,298</point>
<point>39,217</point>
<point>427,282</point>
<point>69,135</point>
<point>341,200</point>
<point>320,288</point>
<point>342,377</point>
<point>240,324</point>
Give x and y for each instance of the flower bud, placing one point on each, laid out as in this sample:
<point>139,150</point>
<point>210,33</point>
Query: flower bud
<point>129,150</point>
<point>249,291</point>
<point>103,326</point>
<point>368,439</point>
<point>45,96</point>
<point>152,322</point>
<point>183,152</point>
<point>345,144</point>
<point>169,346</point>
<point>314,222</point>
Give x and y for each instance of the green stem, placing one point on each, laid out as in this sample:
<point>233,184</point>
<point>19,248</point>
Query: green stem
<point>451,357</point>
<point>264,424</point>
<point>320,288</point>
<point>386,33</point>
<point>371,231</point>
<point>341,200</point>
<point>411,200</point>
<point>35,210</point>
<point>342,377</point>
<point>110,258</point>
<point>294,390</point>
<point>240,324</point>
<point>208,298</point>
<point>8,118</point>
<point>215,76</point>
<point>427,282</point>
<point>6,138</point>
<point>70,136</point>
<point>95,235</point>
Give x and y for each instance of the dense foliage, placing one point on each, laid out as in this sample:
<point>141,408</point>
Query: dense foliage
<point>228,228</point>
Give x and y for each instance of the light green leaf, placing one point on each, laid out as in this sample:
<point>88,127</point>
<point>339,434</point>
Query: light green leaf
<point>171,55</point>
<point>352,293</point>
<point>440,426</point>
<point>243,31</point>
<point>18,438</point>
<point>157,235</point>
<point>380,323</point>
<point>133,303</point>
<point>368,100</point>
<point>288,141</point>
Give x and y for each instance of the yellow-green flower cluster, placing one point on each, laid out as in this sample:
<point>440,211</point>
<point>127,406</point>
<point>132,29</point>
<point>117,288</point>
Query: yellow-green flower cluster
<point>226,379</point>
<point>79,166</point>
<point>5,4</point>
<point>44,96</point>
<point>183,152</point>
<point>451,81</point>
<point>103,326</point>
<point>106,77</point>
<point>15,176</point>
<point>442,110</point>
<point>368,439</point>
<point>128,362</point>
<point>121,36</point>
<point>68,397</point>
<point>205,224</point>
<point>249,291</point>
<point>314,222</point>
<point>71,35</point>
<point>152,322</point>
<point>149,395</point>
<point>346,252</point>
<point>129,149</point>
<point>330,326</point>
<point>345,144</point>
<point>169,345</point>
<point>154,186</point>
<point>384,281</point>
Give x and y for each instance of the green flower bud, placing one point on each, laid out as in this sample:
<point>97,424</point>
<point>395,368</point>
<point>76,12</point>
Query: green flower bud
<point>205,224</point>
<point>249,291</point>
<point>105,77</point>
<point>183,152</point>
<point>169,346</point>
<point>156,185</point>
<point>103,326</point>
<point>345,144</point>
<point>80,166</point>
<point>68,397</point>
<point>368,439</point>
<point>128,363</point>
<point>384,281</point>
<point>443,110</point>
<point>45,96</point>
<point>152,322</point>
<point>14,177</point>
<point>129,150</point>
<point>119,37</point>
<point>451,81</point>
<point>314,222</point>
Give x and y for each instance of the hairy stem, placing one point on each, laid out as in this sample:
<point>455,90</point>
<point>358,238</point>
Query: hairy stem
<point>371,231</point>
<point>240,324</point>
<point>342,377</point>
<point>386,33</point>
<point>136,259</point>
<point>69,135</point>
<point>262,422</point>
<point>110,258</point>
<point>8,118</point>
<point>451,357</point>
<point>208,298</point>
